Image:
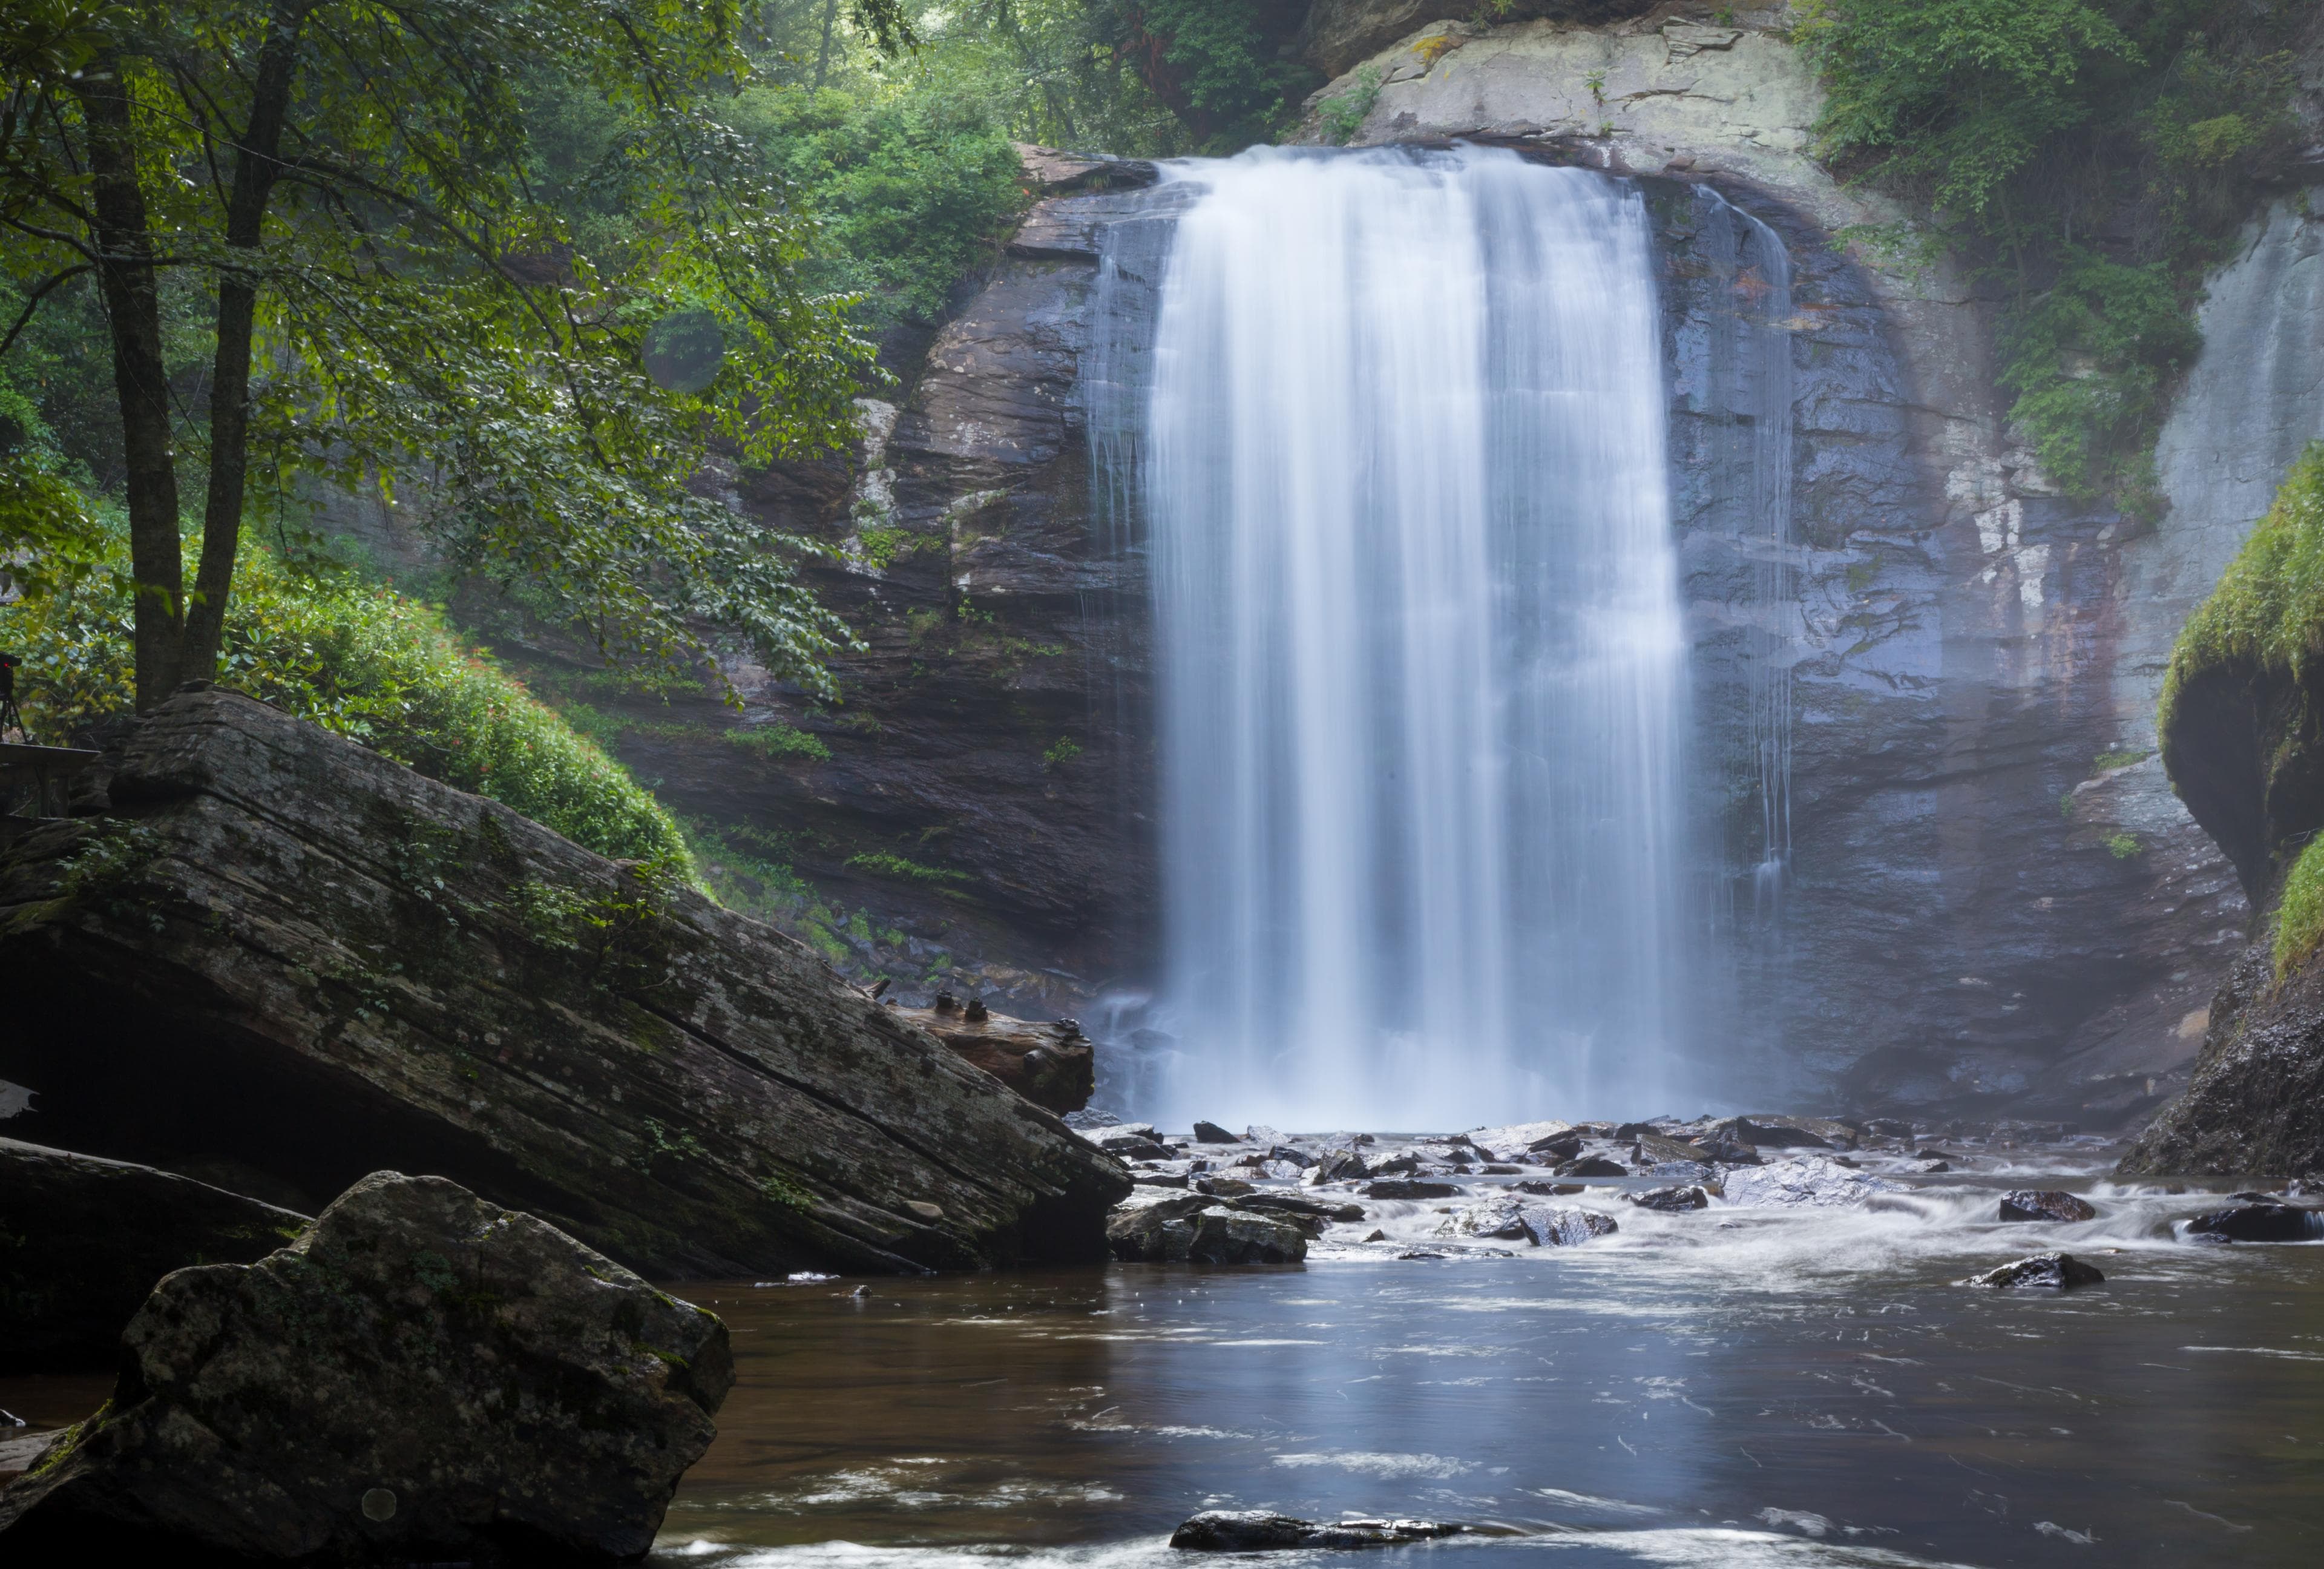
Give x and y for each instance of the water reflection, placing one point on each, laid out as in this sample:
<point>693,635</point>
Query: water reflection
<point>1795,1389</point>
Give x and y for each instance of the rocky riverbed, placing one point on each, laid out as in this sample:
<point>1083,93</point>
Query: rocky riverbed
<point>1798,1371</point>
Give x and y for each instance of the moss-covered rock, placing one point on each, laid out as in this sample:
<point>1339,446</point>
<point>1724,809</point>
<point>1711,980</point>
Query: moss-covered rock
<point>284,950</point>
<point>422,1376</point>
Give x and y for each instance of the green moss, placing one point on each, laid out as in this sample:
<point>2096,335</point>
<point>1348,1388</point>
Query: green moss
<point>2299,913</point>
<point>2104,760</point>
<point>2268,610</point>
<point>779,740</point>
<point>783,1191</point>
<point>883,864</point>
<point>367,663</point>
<point>2123,846</point>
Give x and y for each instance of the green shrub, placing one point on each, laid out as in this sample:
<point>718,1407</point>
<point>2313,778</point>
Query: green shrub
<point>366,663</point>
<point>1343,114</point>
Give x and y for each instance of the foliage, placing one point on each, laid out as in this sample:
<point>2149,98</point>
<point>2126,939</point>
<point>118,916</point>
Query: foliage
<point>362,661</point>
<point>2299,912</point>
<point>2123,846</point>
<point>884,864</point>
<point>914,189</point>
<point>1061,752</point>
<point>2268,613</point>
<point>359,191</point>
<point>2268,610</point>
<point>2090,362</point>
<point>1220,65</point>
<point>2090,156</point>
<point>780,740</point>
<point>1343,114</point>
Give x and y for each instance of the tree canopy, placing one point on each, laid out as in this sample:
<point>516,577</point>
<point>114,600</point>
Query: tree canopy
<point>345,204</point>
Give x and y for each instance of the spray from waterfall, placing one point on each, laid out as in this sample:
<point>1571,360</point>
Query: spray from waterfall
<point>1422,706</point>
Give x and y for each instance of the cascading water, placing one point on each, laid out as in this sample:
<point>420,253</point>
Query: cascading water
<point>1422,706</point>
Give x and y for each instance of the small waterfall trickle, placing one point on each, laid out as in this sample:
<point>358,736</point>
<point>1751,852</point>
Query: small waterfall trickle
<point>1422,670</point>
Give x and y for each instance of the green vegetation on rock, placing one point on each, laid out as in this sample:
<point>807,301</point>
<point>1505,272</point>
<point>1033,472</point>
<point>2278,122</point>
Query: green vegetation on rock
<point>361,660</point>
<point>2266,615</point>
<point>2090,158</point>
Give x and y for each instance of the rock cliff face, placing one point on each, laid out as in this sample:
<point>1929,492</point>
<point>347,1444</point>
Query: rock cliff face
<point>282,951</point>
<point>1991,900</point>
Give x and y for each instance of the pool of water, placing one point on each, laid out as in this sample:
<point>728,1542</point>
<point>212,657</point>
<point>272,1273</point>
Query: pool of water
<point>1725,1387</point>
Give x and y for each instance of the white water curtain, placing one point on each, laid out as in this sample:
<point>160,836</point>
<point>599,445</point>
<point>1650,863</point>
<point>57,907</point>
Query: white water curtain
<point>1422,665</point>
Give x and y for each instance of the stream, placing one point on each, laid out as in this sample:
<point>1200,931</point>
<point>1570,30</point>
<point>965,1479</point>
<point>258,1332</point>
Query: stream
<point>1730,1386</point>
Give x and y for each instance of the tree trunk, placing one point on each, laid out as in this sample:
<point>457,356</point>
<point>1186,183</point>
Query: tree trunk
<point>257,164</point>
<point>823,61</point>
<point>128,280</point>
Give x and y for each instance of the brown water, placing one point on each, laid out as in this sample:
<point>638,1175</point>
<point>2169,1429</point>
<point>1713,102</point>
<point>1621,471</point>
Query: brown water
<point>1729,1386</point>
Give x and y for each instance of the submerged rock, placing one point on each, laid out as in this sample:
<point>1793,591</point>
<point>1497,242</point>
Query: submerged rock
<point>2045,1204</point>
<point>285,950</point>
<point>82,1240</point>
<point>1540,1143</point>
<point>1262,1531</point>
<point>1300,1206</point>
<point>1201,1230</point>
<point>2260,1223</point>
<point>423,1375</point>
<point>1409,1187</point>
<point>2042,1271</point>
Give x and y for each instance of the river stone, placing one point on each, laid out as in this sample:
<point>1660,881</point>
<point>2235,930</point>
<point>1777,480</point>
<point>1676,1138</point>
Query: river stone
<point>283,949</point>
<point>1197,1229</point>
<point>1407,1187</point>
<point>1502,1218</point>
<point>1263,1530</point>
<point>2041,1271</point>
<point>1670,1200</point>
<point>1567,1228</point>
<point>1520,1141</point>
<point>1763,1133</point>
<point>423,1375</point>
<point>1211,1133</point>
<point>2260,1223</point>
<point>1050,1063</point>
<point>2045,1204</point>
<point>1336,1165</point>
<point>1593,1166</point>
<point>1299,1204</point>
<point>83,1240</point>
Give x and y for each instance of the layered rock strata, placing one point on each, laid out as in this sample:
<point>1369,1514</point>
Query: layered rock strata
<point>83,1240</point>
<point>283,950</point>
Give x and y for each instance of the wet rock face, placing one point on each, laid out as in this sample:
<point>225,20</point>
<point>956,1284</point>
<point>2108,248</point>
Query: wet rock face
<point>2042,1272</point>
<point>85,1240</point>
<point>2255,1104</point>
<point>2259,1223</point>
<point>284,950</point>
<point>422,1376</point>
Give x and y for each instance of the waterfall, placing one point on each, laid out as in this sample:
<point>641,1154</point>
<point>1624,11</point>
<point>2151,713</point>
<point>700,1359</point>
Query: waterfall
<point>1421,665</point>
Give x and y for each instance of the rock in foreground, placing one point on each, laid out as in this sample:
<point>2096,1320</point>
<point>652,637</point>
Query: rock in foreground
<point>2259,1223</point>
<point>82,1240</point>
<point>2042,1271</point>
<point>284,950</point>
<point>424,1376</point>
<point>1261,1530</point>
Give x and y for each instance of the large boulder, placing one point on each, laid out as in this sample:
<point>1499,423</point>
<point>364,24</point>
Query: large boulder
<point>422,1376</point>
<point>83,1240</point>
<point>284,950</point>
